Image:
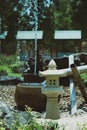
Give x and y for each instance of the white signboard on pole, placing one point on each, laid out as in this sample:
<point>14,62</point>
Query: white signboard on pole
<point>67,34</point>
<point>26,35</point>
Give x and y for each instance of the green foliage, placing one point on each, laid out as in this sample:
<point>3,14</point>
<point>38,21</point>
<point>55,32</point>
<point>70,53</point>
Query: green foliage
<point>8,71</point>
<point>32,123</point>
<point>82,126</point>
<point>2,125</point>
<point>17,67</point>
<point>58,16</point>
<point>3,72</point>
<point>63,11</point>
<point>7,60</point>
<point>84,76</point>
<point>79,19</point>
<point>5,65</point>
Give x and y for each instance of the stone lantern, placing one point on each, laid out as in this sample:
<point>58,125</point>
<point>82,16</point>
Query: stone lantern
<point>52,89</point>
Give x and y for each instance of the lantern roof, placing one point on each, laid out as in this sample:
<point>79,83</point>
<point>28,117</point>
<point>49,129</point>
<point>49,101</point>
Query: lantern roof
<point>52,71</point>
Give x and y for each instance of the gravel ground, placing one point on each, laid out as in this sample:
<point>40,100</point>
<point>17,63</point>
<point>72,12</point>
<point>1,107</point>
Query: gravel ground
<point>69,121</point>
<point>7,94</point>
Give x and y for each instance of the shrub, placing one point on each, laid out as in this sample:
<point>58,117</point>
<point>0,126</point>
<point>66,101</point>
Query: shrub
<point>4,59</point>
<point>32,123</point>
<point>3,72</point>
<point>17,67</point>
<point>2,125</point>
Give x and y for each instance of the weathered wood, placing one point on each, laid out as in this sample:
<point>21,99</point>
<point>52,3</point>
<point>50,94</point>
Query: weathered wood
<point>79,81</point>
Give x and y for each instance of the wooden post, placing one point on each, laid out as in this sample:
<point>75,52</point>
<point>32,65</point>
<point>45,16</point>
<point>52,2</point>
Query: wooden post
<point>79,81</point>
<point>72,90</point>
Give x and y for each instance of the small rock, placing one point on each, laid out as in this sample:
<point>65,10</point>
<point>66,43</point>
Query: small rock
<point>4,109</point>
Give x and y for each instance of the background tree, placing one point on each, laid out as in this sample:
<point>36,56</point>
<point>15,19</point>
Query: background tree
<point>79,16</point>
<point>58,16</point>
<point>9,16</point>
<point>52,15</point>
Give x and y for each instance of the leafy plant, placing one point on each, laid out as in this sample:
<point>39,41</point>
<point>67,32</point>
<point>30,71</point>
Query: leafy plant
<point>82,126</point>
<point>84,76</point>
<point>32,123</point>
<point>6,62</point>
<point>2,125</point>
<point>17,67</point>
<point>4,59</point>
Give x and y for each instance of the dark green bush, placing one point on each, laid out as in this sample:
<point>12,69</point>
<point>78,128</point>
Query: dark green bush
<point>3,72</point>
<point>4,59</point>
<point>17,67</point>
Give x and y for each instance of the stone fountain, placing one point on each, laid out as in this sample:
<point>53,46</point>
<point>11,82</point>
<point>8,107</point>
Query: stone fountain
<point>29,94</point>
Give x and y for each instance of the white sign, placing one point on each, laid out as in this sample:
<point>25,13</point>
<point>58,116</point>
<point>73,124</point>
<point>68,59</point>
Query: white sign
<point>67,34</point>
<point>29,35</point>
<point>3,35</point>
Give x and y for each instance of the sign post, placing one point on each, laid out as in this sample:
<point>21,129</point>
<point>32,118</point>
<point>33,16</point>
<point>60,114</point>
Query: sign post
<point>65,35</point>
<point>26,35</point>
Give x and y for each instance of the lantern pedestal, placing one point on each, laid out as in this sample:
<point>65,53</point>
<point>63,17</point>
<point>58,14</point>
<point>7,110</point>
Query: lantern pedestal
<point>52,108</point>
